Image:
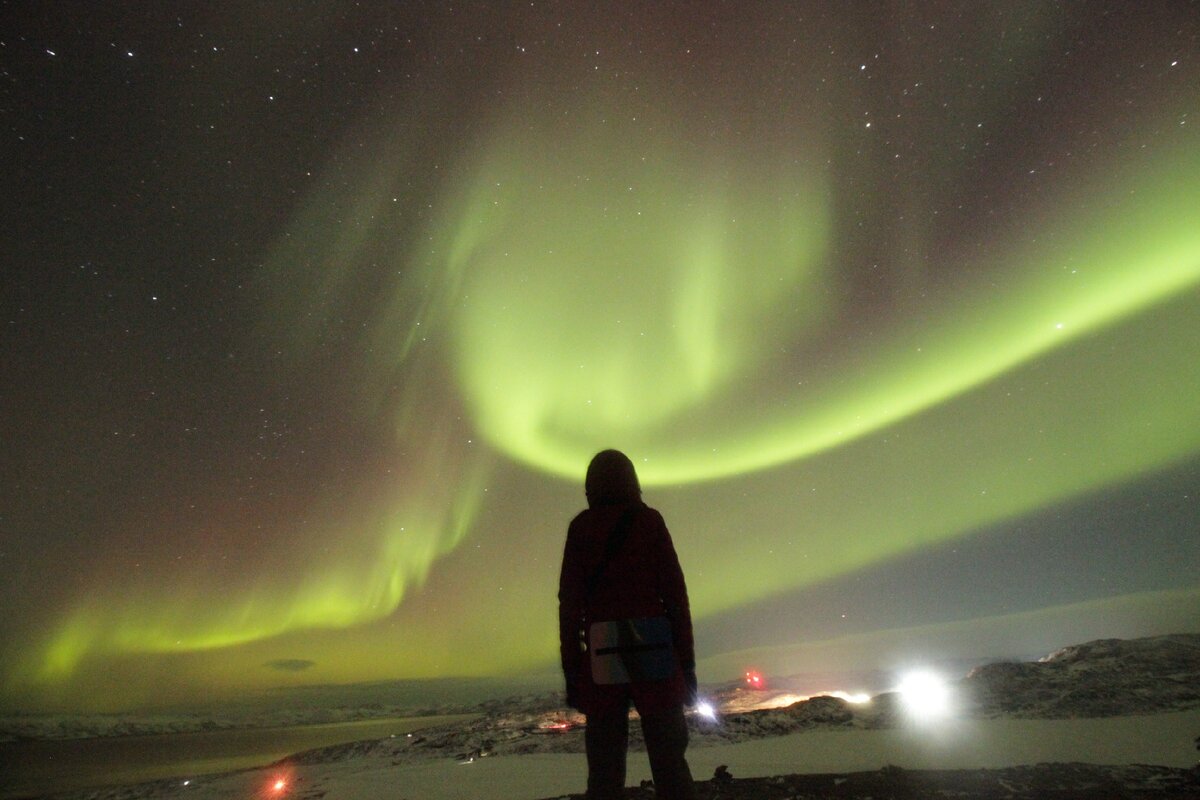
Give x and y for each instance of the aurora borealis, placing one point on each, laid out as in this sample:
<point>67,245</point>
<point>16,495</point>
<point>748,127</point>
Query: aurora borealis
<point>315,318</point>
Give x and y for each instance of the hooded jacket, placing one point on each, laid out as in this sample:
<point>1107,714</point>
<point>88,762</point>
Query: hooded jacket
<point>643,579</point>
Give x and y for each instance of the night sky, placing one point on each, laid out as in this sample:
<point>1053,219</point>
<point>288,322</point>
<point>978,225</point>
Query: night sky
<point>315,312</point>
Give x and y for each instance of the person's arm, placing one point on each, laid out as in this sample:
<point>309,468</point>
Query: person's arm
<point>673,590</point>
<point>570,613</point>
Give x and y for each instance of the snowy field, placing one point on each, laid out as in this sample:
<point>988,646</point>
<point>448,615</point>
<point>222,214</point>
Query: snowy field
<point>1163,739</point>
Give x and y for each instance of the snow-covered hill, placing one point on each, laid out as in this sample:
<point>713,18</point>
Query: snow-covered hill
<point>1106,677</point>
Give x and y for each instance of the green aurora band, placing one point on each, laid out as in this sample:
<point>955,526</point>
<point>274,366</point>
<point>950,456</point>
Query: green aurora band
<point>567,346</point>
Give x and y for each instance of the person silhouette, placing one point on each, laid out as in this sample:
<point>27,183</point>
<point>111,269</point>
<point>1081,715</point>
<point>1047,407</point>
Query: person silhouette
<point>625,632</point>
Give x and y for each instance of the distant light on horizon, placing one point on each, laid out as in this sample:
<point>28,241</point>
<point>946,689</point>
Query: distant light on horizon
<point>925,695</point>
<point>785,699</point>
<point>856,698</point>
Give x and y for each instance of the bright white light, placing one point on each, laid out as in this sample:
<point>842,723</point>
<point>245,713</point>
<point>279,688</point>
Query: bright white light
<point>706,710</point>
<point>925,695</point>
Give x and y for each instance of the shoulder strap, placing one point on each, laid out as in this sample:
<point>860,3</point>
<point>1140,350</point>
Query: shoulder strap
<point>620,531</point>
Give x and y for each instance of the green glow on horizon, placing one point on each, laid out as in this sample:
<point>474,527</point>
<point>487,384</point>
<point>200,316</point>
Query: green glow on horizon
<point>400,547</point>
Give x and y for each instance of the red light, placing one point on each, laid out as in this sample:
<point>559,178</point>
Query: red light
<point>276,785</point>
<point>755,680</point>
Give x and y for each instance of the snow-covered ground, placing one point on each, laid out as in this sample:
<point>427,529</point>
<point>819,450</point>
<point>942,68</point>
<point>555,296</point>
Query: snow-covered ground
<point>1105,702</point>
<point>1164,739</point>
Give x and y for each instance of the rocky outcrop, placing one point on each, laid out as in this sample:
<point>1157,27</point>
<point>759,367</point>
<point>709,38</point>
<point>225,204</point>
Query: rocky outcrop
<point>1106,677</point>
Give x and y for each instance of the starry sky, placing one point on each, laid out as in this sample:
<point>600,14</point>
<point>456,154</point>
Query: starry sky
<point>315,312</point>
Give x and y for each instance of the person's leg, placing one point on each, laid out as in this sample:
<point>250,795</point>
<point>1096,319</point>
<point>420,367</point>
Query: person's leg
<point>606,738</point>
<point>666,737</point>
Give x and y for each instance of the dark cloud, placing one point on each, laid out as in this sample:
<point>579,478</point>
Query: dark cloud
<point>291,664</point>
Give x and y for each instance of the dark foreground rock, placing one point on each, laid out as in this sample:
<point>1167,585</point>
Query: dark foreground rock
<point>1037,782</point>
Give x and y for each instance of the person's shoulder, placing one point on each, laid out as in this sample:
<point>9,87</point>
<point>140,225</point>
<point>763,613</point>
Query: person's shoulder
<point>652,516</point>
<point>580,519</point>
